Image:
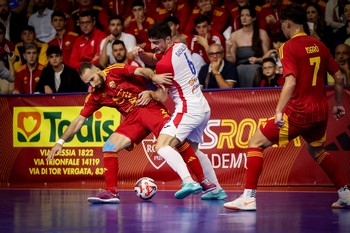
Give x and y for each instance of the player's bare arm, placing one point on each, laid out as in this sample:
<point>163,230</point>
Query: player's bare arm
<point>286,94</point>
<point>72,129</point>
<point>338,108</point>
<point>160,94</point>
<point>146,57</point>
<point>160,79</point>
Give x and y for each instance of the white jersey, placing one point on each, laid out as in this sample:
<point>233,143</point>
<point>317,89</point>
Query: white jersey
<point>185,90</point>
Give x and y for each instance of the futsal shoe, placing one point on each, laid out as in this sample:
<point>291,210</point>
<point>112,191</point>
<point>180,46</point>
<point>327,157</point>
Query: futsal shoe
<point>212,195</point>
<point>344,199</point>
<point>207,185</point>
<point>242,203</point>
<point>187,189</point>
<point>105,197</point>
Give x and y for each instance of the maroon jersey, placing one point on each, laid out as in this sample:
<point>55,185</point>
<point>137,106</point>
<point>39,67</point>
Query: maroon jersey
<point>120,91</point>
<point>308,60</point>
<point>66,44</point>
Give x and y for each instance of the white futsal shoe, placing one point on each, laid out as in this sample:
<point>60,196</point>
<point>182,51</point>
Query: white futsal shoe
<point>242,203</point>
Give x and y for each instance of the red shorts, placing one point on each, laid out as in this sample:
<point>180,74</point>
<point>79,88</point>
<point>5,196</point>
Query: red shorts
<point>142,121</point>
<point>312,133</point>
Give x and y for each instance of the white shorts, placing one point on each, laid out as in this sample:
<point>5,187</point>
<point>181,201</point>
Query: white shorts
<point>187,126</point>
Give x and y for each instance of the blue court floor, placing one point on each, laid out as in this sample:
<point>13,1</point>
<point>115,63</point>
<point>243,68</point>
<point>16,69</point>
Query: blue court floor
<point>48,210</point>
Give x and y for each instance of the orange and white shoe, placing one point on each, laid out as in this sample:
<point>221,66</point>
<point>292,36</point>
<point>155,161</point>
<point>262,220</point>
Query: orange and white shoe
<point>242,203</point>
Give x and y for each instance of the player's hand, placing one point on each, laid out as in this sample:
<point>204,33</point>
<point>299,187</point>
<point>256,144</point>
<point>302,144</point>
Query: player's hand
<point>144,98</point>
<point>57,148</point>
<point>137,50</point>
<point>279,121</point>
<point>165,79</point>
<point>338,111</point>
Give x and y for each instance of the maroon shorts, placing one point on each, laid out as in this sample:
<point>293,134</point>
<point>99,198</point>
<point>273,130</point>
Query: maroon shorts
<point>312,133</point>
<point>142,121</point>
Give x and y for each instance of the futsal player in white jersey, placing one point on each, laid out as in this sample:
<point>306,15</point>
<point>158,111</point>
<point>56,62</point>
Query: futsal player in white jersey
<point>192,111</point>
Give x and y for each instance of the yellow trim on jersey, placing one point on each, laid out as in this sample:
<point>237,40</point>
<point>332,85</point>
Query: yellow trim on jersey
<point>283,135</point>
<point>319,142</point>
<point>299,34</point>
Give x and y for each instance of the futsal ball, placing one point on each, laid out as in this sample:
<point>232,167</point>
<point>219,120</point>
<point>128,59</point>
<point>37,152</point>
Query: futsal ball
<point>145,188</point>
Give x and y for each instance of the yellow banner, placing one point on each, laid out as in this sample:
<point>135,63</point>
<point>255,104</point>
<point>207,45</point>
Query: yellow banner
<point>42,126</point>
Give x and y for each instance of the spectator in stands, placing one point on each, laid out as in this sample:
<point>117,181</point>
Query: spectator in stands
<point>14,22</point>
<point>7,75</point>
<point>41,21</point>
<point>235,14</point>
<point>139,25</point>
<point>116,26</point>
<point>335,14</point>
<point>6,53</point>
<point>318,26</point>
<point>117,7</point>
<point>342,57</point>
<point>320,3</point>
<point>269,76</point>
<point>247,46</point>
<point>178,9</point>
<point>28,75</point>
<point>119,53</point>
<point>205,37</point>
<point>66,6</point>
<point>174,24</point>
<point>98,13</point>
<point>57,77</point>
<point>197,59</point>
<point>28,37</point>
<point>343,33</point>
<point>151,8</point>
<point>269,16</point>
<point>63,39</point>
<point>277,41</point>
<point>86,47</point>
<point>218,16</point>
<point>219,73</point>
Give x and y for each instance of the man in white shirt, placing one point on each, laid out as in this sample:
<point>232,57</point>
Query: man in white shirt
<point>41,21</point>
<point>115,25</point>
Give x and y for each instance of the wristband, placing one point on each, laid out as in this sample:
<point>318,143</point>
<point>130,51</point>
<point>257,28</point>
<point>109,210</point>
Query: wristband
<point>60,141</point>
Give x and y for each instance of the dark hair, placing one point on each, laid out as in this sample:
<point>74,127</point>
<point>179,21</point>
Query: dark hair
<point>58,13</point>
<point>138,3</point>
<point>84,66</point>
<point>113,17</point>
<point>116,42</point>
<point>269,59</point>
<point>172,19</point>
<point>159,30</point>
<point>53,49</point>
<point>87,13</point>
<point>294,13</point>
<point>202,18</point>
<point>256,40</point>
<point>28,28</point>
<point>279,37</point>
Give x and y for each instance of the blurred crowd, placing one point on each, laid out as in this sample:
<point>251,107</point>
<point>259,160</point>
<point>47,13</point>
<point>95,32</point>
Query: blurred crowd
<point>234,43</point>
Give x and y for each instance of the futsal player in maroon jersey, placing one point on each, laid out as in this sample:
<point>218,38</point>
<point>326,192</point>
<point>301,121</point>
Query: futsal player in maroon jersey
<point>302,109</point>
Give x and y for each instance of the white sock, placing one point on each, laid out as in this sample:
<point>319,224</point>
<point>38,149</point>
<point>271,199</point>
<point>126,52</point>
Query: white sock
<point>208,169</point>
<point>249,193</point>
<point>175,161</point>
